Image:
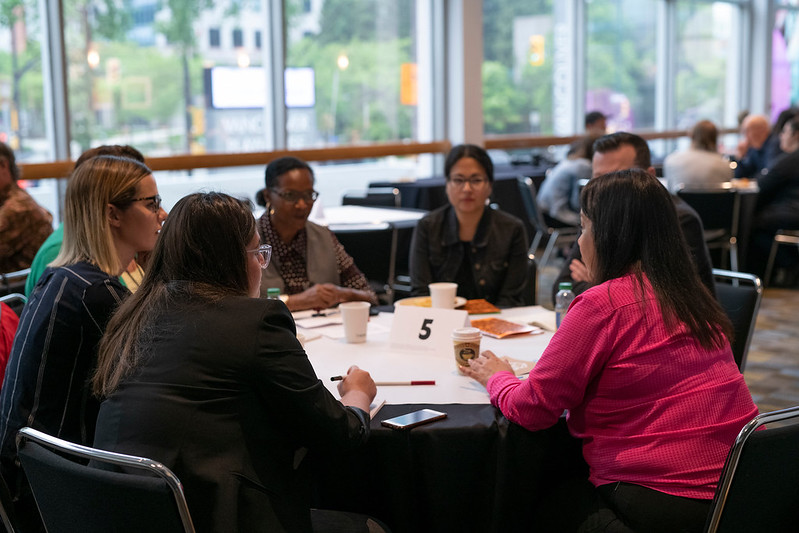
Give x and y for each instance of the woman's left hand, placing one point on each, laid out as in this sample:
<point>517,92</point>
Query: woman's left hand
<point>486,365</point>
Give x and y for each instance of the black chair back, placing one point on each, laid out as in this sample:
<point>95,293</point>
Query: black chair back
<point>739,294</point>
<point>15,302</point>
<point>373,247</point>
<point>759,486</point>
<point>373,197</point>
<point>75,497</point>
<point>555,235</point>
<point>719,209</point>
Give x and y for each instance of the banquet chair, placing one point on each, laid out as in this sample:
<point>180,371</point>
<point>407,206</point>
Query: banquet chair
<point>15,301</point>
<point>555,236</point>
<point>113,492</point>
<point>373,197</point>
<point>13,282</point>
<point>782,237</point>
<point>373,247</point>
<point>739,295</point>
<point>719,209</point>
<point>759,486</point>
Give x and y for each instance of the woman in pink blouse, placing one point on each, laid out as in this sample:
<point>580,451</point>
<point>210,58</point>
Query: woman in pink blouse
<point>643,364</point>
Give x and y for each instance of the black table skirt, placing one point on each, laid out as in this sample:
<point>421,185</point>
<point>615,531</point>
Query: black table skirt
<point>473,471</point>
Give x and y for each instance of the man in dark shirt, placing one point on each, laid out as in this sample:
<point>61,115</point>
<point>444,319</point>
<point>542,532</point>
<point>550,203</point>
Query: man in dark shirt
<point>621,151</point>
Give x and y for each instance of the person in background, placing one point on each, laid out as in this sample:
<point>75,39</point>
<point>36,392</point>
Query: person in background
<point>643,365</point>
<point>200,374</point>
<point>111,211</point>
<point>483,250</point>
<point>52,245</point>
<point>622,151</point>
<point>773,149</point>
<point>24,224</point>
<point>699,166</point>
<point>308,265</point>
<point>777,201</point>
<point>596,124</point>
<point>752,150</point>
<point>559,196</point>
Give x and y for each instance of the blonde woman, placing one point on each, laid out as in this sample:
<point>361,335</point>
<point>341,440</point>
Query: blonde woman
<point>112,211</point>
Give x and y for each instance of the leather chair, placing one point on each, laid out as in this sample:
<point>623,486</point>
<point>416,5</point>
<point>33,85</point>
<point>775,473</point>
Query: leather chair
<point>114,492</point>
<point>555,236</point>
<point>739,294</point>
<point>719,208</point>
<point>782,237</point>
<point>759,486</point>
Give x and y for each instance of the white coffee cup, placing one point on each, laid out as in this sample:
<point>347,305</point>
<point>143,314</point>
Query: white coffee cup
<point>443,294</point>
<point>466,342</point>
<point>355,316</point>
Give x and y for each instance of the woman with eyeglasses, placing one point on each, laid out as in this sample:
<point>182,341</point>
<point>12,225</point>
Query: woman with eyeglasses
<point>203,376</point>
<point>111,212</point>
<point>308,264</point>
<point>481,249</point>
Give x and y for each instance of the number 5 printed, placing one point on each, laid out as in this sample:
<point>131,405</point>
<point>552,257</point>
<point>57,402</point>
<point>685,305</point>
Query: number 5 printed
<point>425,332</point>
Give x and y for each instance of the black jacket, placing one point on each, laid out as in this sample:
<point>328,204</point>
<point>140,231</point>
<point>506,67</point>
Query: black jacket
<point>228,400</point>
<point>498,253</point>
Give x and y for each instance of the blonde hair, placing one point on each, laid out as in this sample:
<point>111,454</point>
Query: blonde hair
<point>95,184</point>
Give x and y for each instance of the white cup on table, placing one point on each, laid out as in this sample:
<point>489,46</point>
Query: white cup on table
<point>443,294</point>
<point>355,316</point>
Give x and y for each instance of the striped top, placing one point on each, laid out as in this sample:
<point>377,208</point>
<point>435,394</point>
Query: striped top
<point>53,356</point>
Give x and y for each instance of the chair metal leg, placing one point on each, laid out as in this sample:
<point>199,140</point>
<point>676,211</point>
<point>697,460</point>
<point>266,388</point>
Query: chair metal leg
<point>553,238</point>
<point>770,265</point>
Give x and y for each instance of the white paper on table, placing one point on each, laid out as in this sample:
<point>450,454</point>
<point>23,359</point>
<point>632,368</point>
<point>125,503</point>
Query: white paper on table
<point>336,331</point>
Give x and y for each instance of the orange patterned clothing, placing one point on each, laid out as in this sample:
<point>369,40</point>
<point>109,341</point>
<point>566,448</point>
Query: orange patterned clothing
<point>24,225</point>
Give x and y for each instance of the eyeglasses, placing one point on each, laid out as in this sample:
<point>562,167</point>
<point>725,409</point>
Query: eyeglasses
<point>264,253</point>
<point>474,183</point>
<point>293,197</point>
<point>155,206</point>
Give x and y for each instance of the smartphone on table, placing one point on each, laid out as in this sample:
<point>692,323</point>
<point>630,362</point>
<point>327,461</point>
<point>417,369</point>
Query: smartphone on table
<point>416,418</point>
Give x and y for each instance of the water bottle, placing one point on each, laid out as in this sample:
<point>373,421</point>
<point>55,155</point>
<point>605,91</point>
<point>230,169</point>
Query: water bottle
<point>273,293</point>
<point>562,301</point>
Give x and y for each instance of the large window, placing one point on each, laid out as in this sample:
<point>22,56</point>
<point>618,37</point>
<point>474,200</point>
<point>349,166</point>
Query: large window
<point>785,59</point>
<point>705,51</point>
<point>22,116</point>
<point>359,58</point>
<point>519,54</point>
<point>621,61</point>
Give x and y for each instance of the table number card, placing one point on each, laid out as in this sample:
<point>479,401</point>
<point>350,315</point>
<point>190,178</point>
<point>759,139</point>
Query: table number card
<point>425,329</point>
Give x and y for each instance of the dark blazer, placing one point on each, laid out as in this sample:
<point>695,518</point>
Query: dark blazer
<point>692,230</point>
<point>498,255</point>
<point>227,399</point>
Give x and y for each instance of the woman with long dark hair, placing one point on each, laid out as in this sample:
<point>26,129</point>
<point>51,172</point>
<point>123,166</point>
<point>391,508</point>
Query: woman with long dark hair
<point>200,374</point>
<point>643,364</point>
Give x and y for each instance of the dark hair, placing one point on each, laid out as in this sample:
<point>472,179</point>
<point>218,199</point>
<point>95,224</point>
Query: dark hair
<point>119,150</point>
<point>794,124</point>
<point>475,152</point>
<point>201,253</point>
<point>636,230</point>
<point>583,148</point>
<point>613,141</point>
<point>704,136</point>
<point>280,166</point>
<point>594,116</point>
<point>8,154</point>
<point>783,118</point>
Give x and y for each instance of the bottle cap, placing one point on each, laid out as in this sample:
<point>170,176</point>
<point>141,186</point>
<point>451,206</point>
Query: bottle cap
<point>565,286</point>
<point>273,292</point>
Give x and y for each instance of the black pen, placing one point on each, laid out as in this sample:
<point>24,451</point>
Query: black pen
<point>336,378</point>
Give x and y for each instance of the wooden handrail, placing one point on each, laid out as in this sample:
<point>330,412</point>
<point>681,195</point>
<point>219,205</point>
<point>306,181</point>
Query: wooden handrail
<point>60,169</point>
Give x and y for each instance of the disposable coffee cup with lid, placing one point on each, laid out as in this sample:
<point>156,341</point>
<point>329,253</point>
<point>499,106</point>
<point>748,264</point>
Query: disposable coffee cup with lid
<point>466,343</point>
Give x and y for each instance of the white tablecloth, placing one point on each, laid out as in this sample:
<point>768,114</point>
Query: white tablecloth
<point>332,356</point>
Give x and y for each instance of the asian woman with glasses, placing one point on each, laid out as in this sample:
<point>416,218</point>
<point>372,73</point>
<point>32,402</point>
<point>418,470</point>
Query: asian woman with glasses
<point>203,376</point>
<point>481,249</point>
<point>109,216</point>
<point>308,264</point>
